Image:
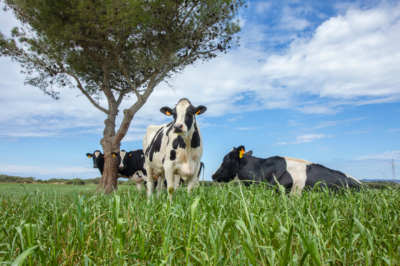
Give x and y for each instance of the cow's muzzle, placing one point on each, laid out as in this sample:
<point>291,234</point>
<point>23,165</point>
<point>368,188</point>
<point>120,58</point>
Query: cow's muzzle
<point>178,128</point>
<point>121,168</point>
<point>95,166</point>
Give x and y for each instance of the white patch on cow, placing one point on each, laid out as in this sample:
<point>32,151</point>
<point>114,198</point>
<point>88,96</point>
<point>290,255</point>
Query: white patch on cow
<point>96,154</point>
<point>358,181</point>
<point>297,169</point>
<point>137,176</point>
<point>123,153</point>
<point>181,113</point>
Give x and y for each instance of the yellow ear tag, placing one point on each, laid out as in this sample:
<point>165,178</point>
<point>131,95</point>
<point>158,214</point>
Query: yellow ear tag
<point>130,154</point>
<point>198,112</point>
<point>103,156</point>
<point>114,155</point>
<point>89,156</point>
<point>241,154</point>
<point>168,113</point>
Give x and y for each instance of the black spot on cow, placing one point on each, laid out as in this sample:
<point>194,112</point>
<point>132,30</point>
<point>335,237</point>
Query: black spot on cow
<point>163,160</point>
<point>178,143</point>
<point>170,127</point>
<point>332,178</point>
<point>133,161</point>
<point>155,144</point>
<point>195,138</point>
<point>173,155</point>
<point>189,116</point>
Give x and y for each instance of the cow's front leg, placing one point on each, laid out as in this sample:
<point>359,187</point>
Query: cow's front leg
<point>150,182</point>
<point>169,175</point>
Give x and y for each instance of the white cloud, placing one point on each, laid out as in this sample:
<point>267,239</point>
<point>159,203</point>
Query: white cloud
<point>234,118</point>
<point>291,19</point>
<point>393,129</point>
<point>306,138</point>
<point>247,128</point>
<point>335,123</point>
<point>357,132</point>
<point>382,156</point>
<point>352,58</point>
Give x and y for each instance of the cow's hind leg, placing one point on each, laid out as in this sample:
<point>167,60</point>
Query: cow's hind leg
<point>177,179</point>
<point>150,181</point>
<point>160,185</point>
<point>192,181</point>
<point>139,186</point>
<point>169,175</point>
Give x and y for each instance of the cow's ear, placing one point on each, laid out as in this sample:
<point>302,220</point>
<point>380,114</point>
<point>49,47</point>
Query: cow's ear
<point>249,153</point>
<point>114,154</point>
<point>89,155</point>
<point>241,150</point>
<point>166,110</point>
<point>200,110</point>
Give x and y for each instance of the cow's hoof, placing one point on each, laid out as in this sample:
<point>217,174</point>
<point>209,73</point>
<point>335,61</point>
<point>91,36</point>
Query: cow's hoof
<point>171,190</point>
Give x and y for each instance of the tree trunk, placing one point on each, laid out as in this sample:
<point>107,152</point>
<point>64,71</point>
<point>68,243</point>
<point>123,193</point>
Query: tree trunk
<point>108,181</point>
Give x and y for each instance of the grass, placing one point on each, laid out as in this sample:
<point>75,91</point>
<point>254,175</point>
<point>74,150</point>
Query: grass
<point>21,189</point>
<point>227,225</point>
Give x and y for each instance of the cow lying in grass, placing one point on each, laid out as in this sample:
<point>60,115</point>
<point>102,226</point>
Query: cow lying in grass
<point>294,174</point>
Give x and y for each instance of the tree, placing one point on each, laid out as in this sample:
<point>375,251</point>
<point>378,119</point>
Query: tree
<point>117,49</point>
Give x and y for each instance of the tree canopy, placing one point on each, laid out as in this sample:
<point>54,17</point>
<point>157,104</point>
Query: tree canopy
<point>117,49</point>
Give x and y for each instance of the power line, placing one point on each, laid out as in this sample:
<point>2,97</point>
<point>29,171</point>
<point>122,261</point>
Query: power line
<point>393,170</point>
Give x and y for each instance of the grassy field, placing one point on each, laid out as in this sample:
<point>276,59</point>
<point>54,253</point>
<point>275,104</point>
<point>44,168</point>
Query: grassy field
<point>228,225</point>
<point>15,189</point>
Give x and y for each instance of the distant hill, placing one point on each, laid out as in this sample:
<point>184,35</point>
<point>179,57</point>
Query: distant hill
<point>381,180</point>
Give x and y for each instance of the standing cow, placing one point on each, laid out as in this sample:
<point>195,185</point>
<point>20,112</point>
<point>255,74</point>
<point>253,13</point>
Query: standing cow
<point>176,147</point>
<point>294,174</point>
<point>98,160</point>
<point>131,165</point>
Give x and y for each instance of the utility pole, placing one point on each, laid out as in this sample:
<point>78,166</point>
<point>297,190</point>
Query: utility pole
<point>393,171</point>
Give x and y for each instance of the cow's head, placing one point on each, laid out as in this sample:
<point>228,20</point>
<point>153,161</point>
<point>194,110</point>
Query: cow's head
<point>122,159</point>
<point>98,158</point>
<point>230,165</point>
<point>184,115</point>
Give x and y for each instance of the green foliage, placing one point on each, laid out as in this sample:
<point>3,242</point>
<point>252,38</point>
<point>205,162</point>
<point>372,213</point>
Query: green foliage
<point>219,225</point>
<point>123,45</point>
<point>75,181</point>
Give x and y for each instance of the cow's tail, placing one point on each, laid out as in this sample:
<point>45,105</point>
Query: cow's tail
<point>201,166</point>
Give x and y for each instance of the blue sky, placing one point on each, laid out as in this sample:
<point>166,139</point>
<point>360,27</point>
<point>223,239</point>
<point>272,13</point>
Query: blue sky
<point>316,80</point>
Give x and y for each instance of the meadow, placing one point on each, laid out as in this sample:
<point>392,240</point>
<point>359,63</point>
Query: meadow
<point>218,225</point>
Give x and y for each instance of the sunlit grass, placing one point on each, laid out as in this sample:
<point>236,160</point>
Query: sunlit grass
<point>227,225</point>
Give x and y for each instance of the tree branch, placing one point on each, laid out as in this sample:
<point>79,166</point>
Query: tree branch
<point>133,87</point>
<point>85,92</point>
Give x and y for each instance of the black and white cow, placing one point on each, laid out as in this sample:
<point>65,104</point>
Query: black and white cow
<point>176,147</point>
<point>98,160</point>
<point>294,174</point>
<point>131,165</point>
